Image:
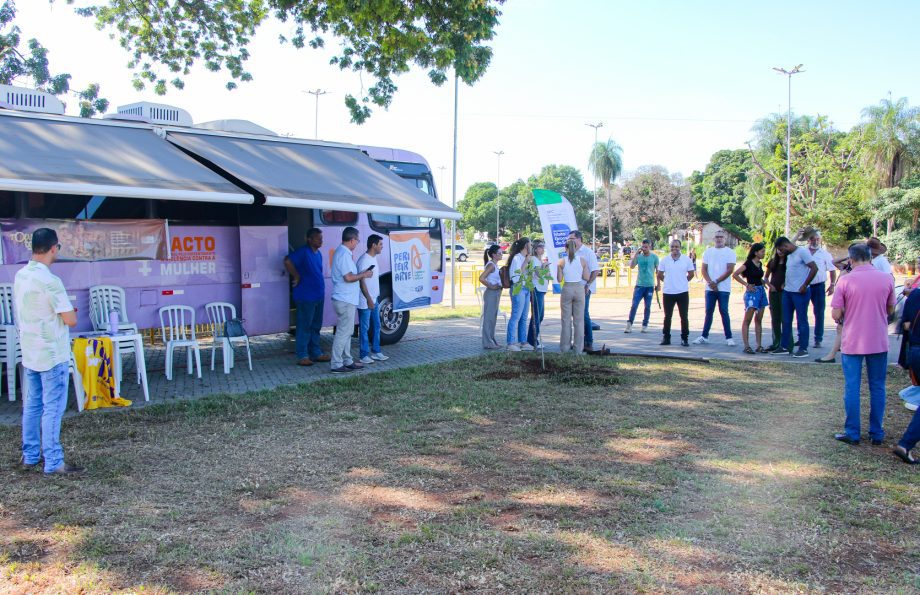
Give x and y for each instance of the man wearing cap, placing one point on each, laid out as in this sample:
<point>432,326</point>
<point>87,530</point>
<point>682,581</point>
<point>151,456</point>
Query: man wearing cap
<point>819,288</point>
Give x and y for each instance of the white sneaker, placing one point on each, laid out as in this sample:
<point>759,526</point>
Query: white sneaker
<point>514,347</point>
<point>526,347</point>
<point>701,340</point>
<point>730,342</point>
<point>539,344</point>
<point>367,360</point>
<point>910,406</point>
<point>628,327</point>
<point>380,357</point>
<point>645,329</point>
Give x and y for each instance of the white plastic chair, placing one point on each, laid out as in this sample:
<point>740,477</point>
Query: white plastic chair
<point>480,292</point>
<point>102,300</point>
<point>10,350</point>
<point>218,314</point>
<point>177,323</point>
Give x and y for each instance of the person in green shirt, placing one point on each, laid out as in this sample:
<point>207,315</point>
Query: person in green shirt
<point>647,261</point>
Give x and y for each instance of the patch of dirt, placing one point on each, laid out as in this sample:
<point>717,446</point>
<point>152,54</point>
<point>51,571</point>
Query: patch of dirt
<point>569,373</point>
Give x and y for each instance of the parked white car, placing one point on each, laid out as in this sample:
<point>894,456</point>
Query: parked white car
<point>462,254</point>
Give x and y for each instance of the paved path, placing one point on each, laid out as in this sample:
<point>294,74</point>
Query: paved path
<point>425,342</point>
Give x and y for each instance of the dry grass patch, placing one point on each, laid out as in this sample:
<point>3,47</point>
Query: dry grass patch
<point>485,475</point>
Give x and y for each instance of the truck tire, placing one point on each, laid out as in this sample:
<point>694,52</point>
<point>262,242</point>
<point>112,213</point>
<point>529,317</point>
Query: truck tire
<point>393,325</point>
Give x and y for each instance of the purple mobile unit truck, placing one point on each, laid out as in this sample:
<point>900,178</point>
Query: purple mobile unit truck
<point>176,213</point>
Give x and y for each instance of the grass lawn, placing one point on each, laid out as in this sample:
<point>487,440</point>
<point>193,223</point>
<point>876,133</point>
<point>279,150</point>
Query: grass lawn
<point>484,475</point>
<point>443,312</point>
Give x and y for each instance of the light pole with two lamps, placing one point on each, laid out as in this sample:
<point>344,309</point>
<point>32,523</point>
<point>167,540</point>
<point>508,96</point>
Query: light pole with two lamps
<point>498,193</point>
<point>788,74</point>
<point>594,211</point>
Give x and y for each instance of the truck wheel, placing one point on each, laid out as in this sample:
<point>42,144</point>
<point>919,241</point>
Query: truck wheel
<point>393,325</point>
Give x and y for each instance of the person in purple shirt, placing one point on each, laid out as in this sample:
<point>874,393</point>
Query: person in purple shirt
<point>862,303</point>
<point>305,266</point>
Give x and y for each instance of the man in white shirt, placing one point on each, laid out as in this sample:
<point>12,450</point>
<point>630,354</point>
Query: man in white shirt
<point>817,290</point>
<point>676,270</point>
<point>591,285</point>
<point>879,260</point>
<point>718,265</point>
<point>345,293</point>
<point>368,303</point>
<point>43,315</point>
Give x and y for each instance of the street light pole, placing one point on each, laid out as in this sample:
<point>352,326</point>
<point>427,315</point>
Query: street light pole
<point>498,193</point>
<point>594,211</point>
<point>453,200</point>
<point>789,74</point>
<point>316,93</point>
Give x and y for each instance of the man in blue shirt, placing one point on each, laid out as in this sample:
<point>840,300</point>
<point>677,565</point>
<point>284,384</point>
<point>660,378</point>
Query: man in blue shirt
<point>306,268</point>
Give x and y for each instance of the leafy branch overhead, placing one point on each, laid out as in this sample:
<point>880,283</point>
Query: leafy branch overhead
<point>31,63</point>
<point>381,38</point>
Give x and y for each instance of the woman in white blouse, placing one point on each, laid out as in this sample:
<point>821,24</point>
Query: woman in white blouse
<point>572,271</point>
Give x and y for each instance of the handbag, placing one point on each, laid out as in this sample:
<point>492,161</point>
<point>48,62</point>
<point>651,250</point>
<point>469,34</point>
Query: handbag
<point>234,328</point>
<point>505,275</point>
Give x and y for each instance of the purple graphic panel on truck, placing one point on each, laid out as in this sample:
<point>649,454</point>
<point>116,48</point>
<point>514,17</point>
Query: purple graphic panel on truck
<point>205,267</point>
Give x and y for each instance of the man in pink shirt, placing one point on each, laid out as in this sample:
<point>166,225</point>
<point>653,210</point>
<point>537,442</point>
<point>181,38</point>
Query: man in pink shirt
<point>862,303</point>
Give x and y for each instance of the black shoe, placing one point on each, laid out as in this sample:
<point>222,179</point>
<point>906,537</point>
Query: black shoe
<point>780,351</point>
<point>800,353</point>
<point>595,326</point>
<point>821,360</point>
<point>876,442</point>
<point>355,366</point>
<point>66,469</point>
<point>846,439</point>
<point>772,348</point>
<point>340,370</point>
<point>665,342</point>
<point>23,466</point>
<point>817,345</point>
<point>684,343</point>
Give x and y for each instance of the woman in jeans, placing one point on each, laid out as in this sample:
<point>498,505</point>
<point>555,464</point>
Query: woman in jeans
<point>539,293</point>
<point>750,275</point>
<point>516,336</point>
<point>491,296</point>
<point>572,271</point>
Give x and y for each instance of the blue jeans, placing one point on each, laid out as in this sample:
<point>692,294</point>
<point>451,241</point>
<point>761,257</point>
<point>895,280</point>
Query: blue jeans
<point>912,433</point>
<point>818,298</point>
<point>517,322</point>
<point>309,324</point>
<point>911,395</point>
<point>369,320</point>
<point>795,303</point>
<point>537,319</point>
<point>641,293</point>
<point>712,297</point>
<point>41,416</point>
<point>876,366</point>
<point>589,332</point>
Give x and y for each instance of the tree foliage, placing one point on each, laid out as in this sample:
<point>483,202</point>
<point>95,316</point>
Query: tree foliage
<point>519,214</point>
<point>378,38</point>
<point>652,201</point>
<point>718,192</point>
<point>31,63</point>
<point>828,185</point>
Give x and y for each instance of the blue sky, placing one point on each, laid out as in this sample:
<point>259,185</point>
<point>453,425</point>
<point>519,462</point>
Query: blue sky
<point>672,81</point>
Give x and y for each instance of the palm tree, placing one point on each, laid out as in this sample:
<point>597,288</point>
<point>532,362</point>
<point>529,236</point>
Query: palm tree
<point>891,131</point>
<point>606,163</point>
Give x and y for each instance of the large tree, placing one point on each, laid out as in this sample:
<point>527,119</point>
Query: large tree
<point>30,64</point>
<point>901,205</point>
<point>652,201</point>
<point>379,38</point>
<point>718,191</point>
<point>891,142</point>
<point>606,163</point>
<point>828,185</point>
